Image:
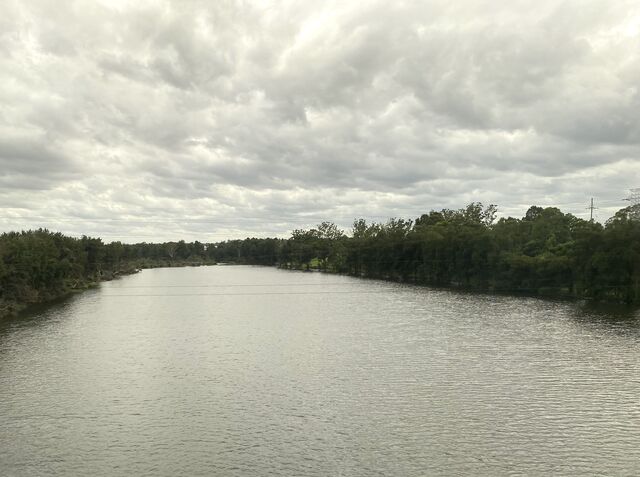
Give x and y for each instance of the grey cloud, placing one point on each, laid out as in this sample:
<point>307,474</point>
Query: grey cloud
<point>279,113</point>
<point>30,157</point>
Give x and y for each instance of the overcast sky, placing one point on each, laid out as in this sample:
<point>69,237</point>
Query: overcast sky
<point>207,120</point>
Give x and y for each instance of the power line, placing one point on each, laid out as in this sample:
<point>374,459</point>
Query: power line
<point>236,286</point>
<point>348,292</point>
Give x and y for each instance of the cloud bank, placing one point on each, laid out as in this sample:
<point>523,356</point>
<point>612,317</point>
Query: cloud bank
<point>157,120</point>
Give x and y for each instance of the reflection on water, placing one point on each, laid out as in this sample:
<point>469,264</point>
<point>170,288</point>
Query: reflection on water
<point>257,371</point>
<point>609,318</point>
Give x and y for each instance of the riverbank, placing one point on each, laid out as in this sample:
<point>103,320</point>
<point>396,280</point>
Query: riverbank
<point>11,308</point>
<point>38,266</point>
<point>549,293</point>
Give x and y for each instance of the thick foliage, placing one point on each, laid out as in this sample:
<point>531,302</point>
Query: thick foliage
<point>39,265</point>
<point>546,252</point>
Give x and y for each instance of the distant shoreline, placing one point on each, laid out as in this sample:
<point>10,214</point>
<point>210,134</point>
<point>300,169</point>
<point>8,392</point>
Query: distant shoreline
<point>546,253</point>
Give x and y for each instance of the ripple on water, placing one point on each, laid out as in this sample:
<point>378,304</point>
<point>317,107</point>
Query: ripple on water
<point>311,374</point>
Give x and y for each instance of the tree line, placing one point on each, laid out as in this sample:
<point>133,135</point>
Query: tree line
<point>40,265</point>
<point>546,252</point>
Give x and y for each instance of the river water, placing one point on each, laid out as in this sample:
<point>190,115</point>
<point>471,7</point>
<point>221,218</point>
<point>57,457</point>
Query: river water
<point>252,371</point>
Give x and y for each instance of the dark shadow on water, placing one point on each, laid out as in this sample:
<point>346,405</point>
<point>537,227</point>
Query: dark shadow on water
<point>37,314</point>
<point>598,317</point>
<point>608,317</point>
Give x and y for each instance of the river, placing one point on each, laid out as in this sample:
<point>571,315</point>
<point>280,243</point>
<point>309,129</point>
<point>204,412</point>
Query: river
<point>254,371</point>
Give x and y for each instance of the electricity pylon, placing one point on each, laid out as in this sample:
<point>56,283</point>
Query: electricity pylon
<point>591,208</point>
<point>634,198</point>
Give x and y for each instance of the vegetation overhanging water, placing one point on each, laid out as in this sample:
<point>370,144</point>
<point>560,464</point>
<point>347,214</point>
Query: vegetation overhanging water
<point>546,252</point>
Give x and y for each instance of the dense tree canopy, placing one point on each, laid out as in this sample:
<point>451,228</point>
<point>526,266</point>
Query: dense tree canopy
<point>40,265</point>
<point>545,252</point>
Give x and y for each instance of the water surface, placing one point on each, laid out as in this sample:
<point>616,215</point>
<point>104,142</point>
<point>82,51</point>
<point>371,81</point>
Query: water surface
<point>251,371</point>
